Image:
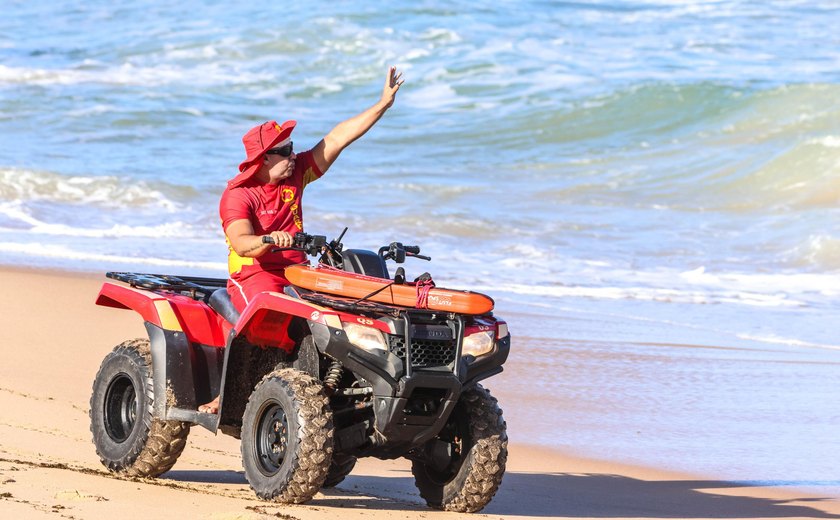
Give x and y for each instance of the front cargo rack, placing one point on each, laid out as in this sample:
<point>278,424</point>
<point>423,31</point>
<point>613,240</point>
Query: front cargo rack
<point>358,306</point>
<point>347,304</point>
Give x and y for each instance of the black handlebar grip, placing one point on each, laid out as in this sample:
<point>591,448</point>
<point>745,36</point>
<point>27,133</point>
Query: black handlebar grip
<point>412,249</point>
<point>267,239</point>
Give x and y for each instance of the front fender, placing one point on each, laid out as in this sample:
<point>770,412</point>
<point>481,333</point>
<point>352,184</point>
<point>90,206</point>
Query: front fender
<point>266,318</point>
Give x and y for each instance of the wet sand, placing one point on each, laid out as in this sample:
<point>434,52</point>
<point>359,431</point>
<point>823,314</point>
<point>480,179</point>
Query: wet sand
<point>54,338</point>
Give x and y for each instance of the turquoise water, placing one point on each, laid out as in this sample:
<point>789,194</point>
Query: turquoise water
<point>649,189</point>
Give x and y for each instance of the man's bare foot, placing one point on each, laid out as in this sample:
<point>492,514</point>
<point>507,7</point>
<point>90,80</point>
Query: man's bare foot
<point>211,407</point>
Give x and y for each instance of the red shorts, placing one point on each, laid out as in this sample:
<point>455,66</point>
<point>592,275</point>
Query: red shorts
<point>243,291</point>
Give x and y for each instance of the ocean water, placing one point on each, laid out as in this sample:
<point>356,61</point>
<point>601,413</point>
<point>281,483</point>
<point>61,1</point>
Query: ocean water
<point>649,189</point>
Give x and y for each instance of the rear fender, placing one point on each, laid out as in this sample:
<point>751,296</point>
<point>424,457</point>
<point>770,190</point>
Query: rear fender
<point>153,307</point>
<point>186,361</point>
<point>171,312</point>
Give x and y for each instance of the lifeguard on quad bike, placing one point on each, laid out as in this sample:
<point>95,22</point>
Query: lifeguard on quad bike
<point>348,362</point>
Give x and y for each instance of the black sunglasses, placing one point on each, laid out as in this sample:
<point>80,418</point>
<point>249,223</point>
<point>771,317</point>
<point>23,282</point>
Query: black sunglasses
<point>283,151</point>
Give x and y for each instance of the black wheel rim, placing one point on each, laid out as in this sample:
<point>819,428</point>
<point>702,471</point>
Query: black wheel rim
<point>272,438</point>
<point>120,408</point>
<point>457,434</point>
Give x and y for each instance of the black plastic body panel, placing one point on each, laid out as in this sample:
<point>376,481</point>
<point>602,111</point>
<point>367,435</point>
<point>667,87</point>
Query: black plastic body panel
<point>245,364</point>
<point>404,430</point>
<point>185,375</point>
<point>220,302</point>
<point>382,371</point>
<point>395,388</point>
<point>364,262</point>
<point>488,365</point>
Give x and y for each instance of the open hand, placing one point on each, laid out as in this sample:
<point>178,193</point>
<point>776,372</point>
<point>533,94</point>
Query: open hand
<point>392,84</point>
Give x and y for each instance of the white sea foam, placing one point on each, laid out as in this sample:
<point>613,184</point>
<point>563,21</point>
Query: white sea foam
<point>566,278</point>
<point>778,340</point>
<point>829,141</point>
<point>525,255</point>
<point>415,54</point>
<point>193,53</point>
<point>170,230</point>
<point>130,74</point>
<point>191,111</point>
<point>66,253</point>
<point>440,35</point>
<point>770,283</point>
<point>820,250</point>
<point>94,110</point>
<point>26,185</point>
<point>646,294</point>
<point>15,212</point>
<point>437,96</point>
<point>439,190</point>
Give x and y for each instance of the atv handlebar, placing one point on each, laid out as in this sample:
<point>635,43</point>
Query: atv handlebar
<point>309,244</point>
<point>314,244</point>
<point>398,252</point>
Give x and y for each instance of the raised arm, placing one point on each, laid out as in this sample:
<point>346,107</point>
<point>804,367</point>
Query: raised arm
<point>329,148</point>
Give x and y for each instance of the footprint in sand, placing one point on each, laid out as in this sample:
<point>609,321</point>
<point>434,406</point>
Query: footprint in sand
<point>78,496</point>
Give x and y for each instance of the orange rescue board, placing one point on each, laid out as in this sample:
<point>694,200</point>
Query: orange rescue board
<point>352,285</point>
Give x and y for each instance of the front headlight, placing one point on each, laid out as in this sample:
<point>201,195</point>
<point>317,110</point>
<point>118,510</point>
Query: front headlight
<point>478,344</point>
<point>366,338</point>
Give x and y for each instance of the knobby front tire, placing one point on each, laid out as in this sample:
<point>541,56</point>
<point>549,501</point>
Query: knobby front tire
<point>477,435</point>
<point>287,437</point>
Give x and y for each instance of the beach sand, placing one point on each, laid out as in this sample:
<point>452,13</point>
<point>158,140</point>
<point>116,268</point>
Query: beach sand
<point>54,339</point>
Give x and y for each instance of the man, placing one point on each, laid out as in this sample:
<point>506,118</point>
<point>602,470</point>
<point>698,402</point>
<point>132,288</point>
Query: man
<point>265,199</point>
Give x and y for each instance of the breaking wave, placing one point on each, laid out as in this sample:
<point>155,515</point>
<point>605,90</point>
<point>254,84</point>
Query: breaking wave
<point>24,186</point>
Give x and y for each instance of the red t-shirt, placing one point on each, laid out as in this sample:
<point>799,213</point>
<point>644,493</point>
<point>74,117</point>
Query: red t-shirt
<point>269,207</point>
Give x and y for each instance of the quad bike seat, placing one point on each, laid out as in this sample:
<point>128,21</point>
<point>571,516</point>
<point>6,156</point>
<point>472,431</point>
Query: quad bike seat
<point>220,302</point>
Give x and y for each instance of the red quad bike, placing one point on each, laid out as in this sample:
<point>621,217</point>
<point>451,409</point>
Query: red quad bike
<point>346,363</point>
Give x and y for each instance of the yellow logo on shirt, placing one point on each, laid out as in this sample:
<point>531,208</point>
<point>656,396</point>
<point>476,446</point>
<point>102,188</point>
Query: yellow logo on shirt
<point>296,216</point>
<point>287,195</point>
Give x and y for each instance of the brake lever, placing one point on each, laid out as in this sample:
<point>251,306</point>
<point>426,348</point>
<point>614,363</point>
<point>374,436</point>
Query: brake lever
<point>421,257</point>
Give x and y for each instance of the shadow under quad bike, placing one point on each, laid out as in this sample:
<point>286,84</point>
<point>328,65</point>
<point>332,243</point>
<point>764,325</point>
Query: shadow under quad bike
<point>310,379</point>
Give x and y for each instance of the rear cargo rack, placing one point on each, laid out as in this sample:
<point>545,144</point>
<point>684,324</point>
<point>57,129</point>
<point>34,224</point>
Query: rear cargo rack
<point>196,287</point>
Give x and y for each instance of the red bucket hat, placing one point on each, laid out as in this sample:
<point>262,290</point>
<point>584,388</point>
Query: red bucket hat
<point>257,141</point>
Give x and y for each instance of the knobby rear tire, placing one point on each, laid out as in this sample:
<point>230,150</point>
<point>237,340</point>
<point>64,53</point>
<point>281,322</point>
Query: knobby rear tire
<point>127,437</point>
<point>340,467</point>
